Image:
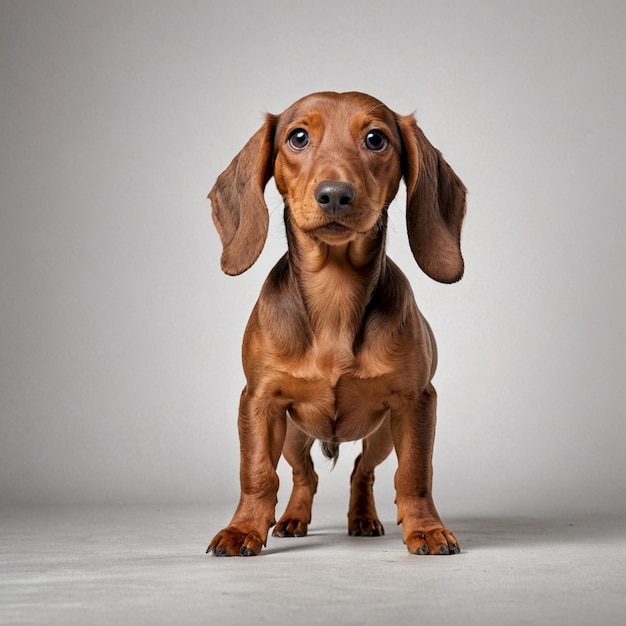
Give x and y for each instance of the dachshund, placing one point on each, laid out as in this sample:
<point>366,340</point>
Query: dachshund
<point>336,349</point>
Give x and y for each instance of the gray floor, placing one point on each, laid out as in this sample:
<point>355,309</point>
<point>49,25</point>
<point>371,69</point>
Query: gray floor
<point>146,565</point>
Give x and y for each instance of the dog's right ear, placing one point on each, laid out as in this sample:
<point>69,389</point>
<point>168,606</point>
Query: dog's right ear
<point>239,210</point>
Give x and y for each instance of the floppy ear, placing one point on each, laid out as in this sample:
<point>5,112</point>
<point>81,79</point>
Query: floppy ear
<point>239,210</point>
<point>435,205</point>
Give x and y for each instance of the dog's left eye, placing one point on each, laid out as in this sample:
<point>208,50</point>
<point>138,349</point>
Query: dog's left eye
<point>298,139</point>
<point>376,141</point>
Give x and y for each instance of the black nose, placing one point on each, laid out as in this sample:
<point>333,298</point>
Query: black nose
<point>335,197</point>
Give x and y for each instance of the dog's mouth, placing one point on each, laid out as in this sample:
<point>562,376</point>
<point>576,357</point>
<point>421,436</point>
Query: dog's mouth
<point>333,233</point>
<point>333,228</point>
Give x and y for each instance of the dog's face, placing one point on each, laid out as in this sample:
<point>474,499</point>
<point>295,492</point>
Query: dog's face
<point>337,164</point>
<point>337,159</point>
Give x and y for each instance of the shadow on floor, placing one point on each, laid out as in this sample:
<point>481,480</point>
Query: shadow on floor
<point>474,533</point>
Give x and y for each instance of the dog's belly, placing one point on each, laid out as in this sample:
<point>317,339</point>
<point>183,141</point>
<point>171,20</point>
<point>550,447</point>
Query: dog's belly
<point>351,410</point>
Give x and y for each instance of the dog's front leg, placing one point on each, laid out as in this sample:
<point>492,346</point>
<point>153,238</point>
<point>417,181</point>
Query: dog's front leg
<point>413,431</point>
<point>261,436</point>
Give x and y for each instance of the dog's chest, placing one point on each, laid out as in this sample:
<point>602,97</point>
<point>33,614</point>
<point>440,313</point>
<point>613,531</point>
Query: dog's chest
<point>351,410</point>
<point>331,397</point>
<point>337,383</point>
<point>331,357</point>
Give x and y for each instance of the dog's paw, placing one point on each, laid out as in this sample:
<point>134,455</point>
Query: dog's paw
<point>233,542</point>
<point>290,528</point>
<point>437,541</point>
<point>365,527</point>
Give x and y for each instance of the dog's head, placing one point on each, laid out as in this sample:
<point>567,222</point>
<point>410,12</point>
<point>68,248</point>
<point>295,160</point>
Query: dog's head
<point>337,160</point>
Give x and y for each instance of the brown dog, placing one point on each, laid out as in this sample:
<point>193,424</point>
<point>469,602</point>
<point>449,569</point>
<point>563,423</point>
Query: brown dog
<point>336,348</point>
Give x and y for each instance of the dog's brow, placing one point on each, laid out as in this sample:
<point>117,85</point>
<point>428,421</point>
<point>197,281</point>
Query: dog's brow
<point>375,107</point>
<point>380,113</point>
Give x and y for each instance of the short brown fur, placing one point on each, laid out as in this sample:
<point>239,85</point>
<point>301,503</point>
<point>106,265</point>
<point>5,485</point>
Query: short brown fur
<point>336,348</point>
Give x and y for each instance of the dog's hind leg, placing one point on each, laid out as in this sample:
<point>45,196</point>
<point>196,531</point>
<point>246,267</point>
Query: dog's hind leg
<point>297,516</point>
<point>362,516</point>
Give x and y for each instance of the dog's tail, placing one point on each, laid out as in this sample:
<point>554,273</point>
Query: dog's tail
<point>330,451</point>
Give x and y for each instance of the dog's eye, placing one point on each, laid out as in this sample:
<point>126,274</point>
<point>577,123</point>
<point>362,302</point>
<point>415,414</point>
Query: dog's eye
<point>298,139</point>
<point>376,141</point>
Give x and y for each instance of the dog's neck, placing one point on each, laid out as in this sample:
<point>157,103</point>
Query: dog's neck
<point>336,282</point>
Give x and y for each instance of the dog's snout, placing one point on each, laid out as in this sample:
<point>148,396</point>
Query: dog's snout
<point>335,197</point>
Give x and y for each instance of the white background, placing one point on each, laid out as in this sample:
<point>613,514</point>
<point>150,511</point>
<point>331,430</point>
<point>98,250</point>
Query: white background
<point>119,336</point>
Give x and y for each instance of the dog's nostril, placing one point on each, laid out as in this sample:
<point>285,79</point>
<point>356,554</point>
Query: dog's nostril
<point>335,197</point>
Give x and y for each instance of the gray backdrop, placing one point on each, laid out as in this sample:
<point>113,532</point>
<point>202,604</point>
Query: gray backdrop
<point>120,338</point>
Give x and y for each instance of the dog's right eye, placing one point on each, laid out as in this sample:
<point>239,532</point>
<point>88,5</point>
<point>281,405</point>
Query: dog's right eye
<point>298,139</point>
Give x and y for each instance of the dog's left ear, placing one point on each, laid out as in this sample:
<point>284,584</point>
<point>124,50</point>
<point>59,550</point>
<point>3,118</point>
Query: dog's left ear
<point>435,205</point>
<point>239,210</point>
